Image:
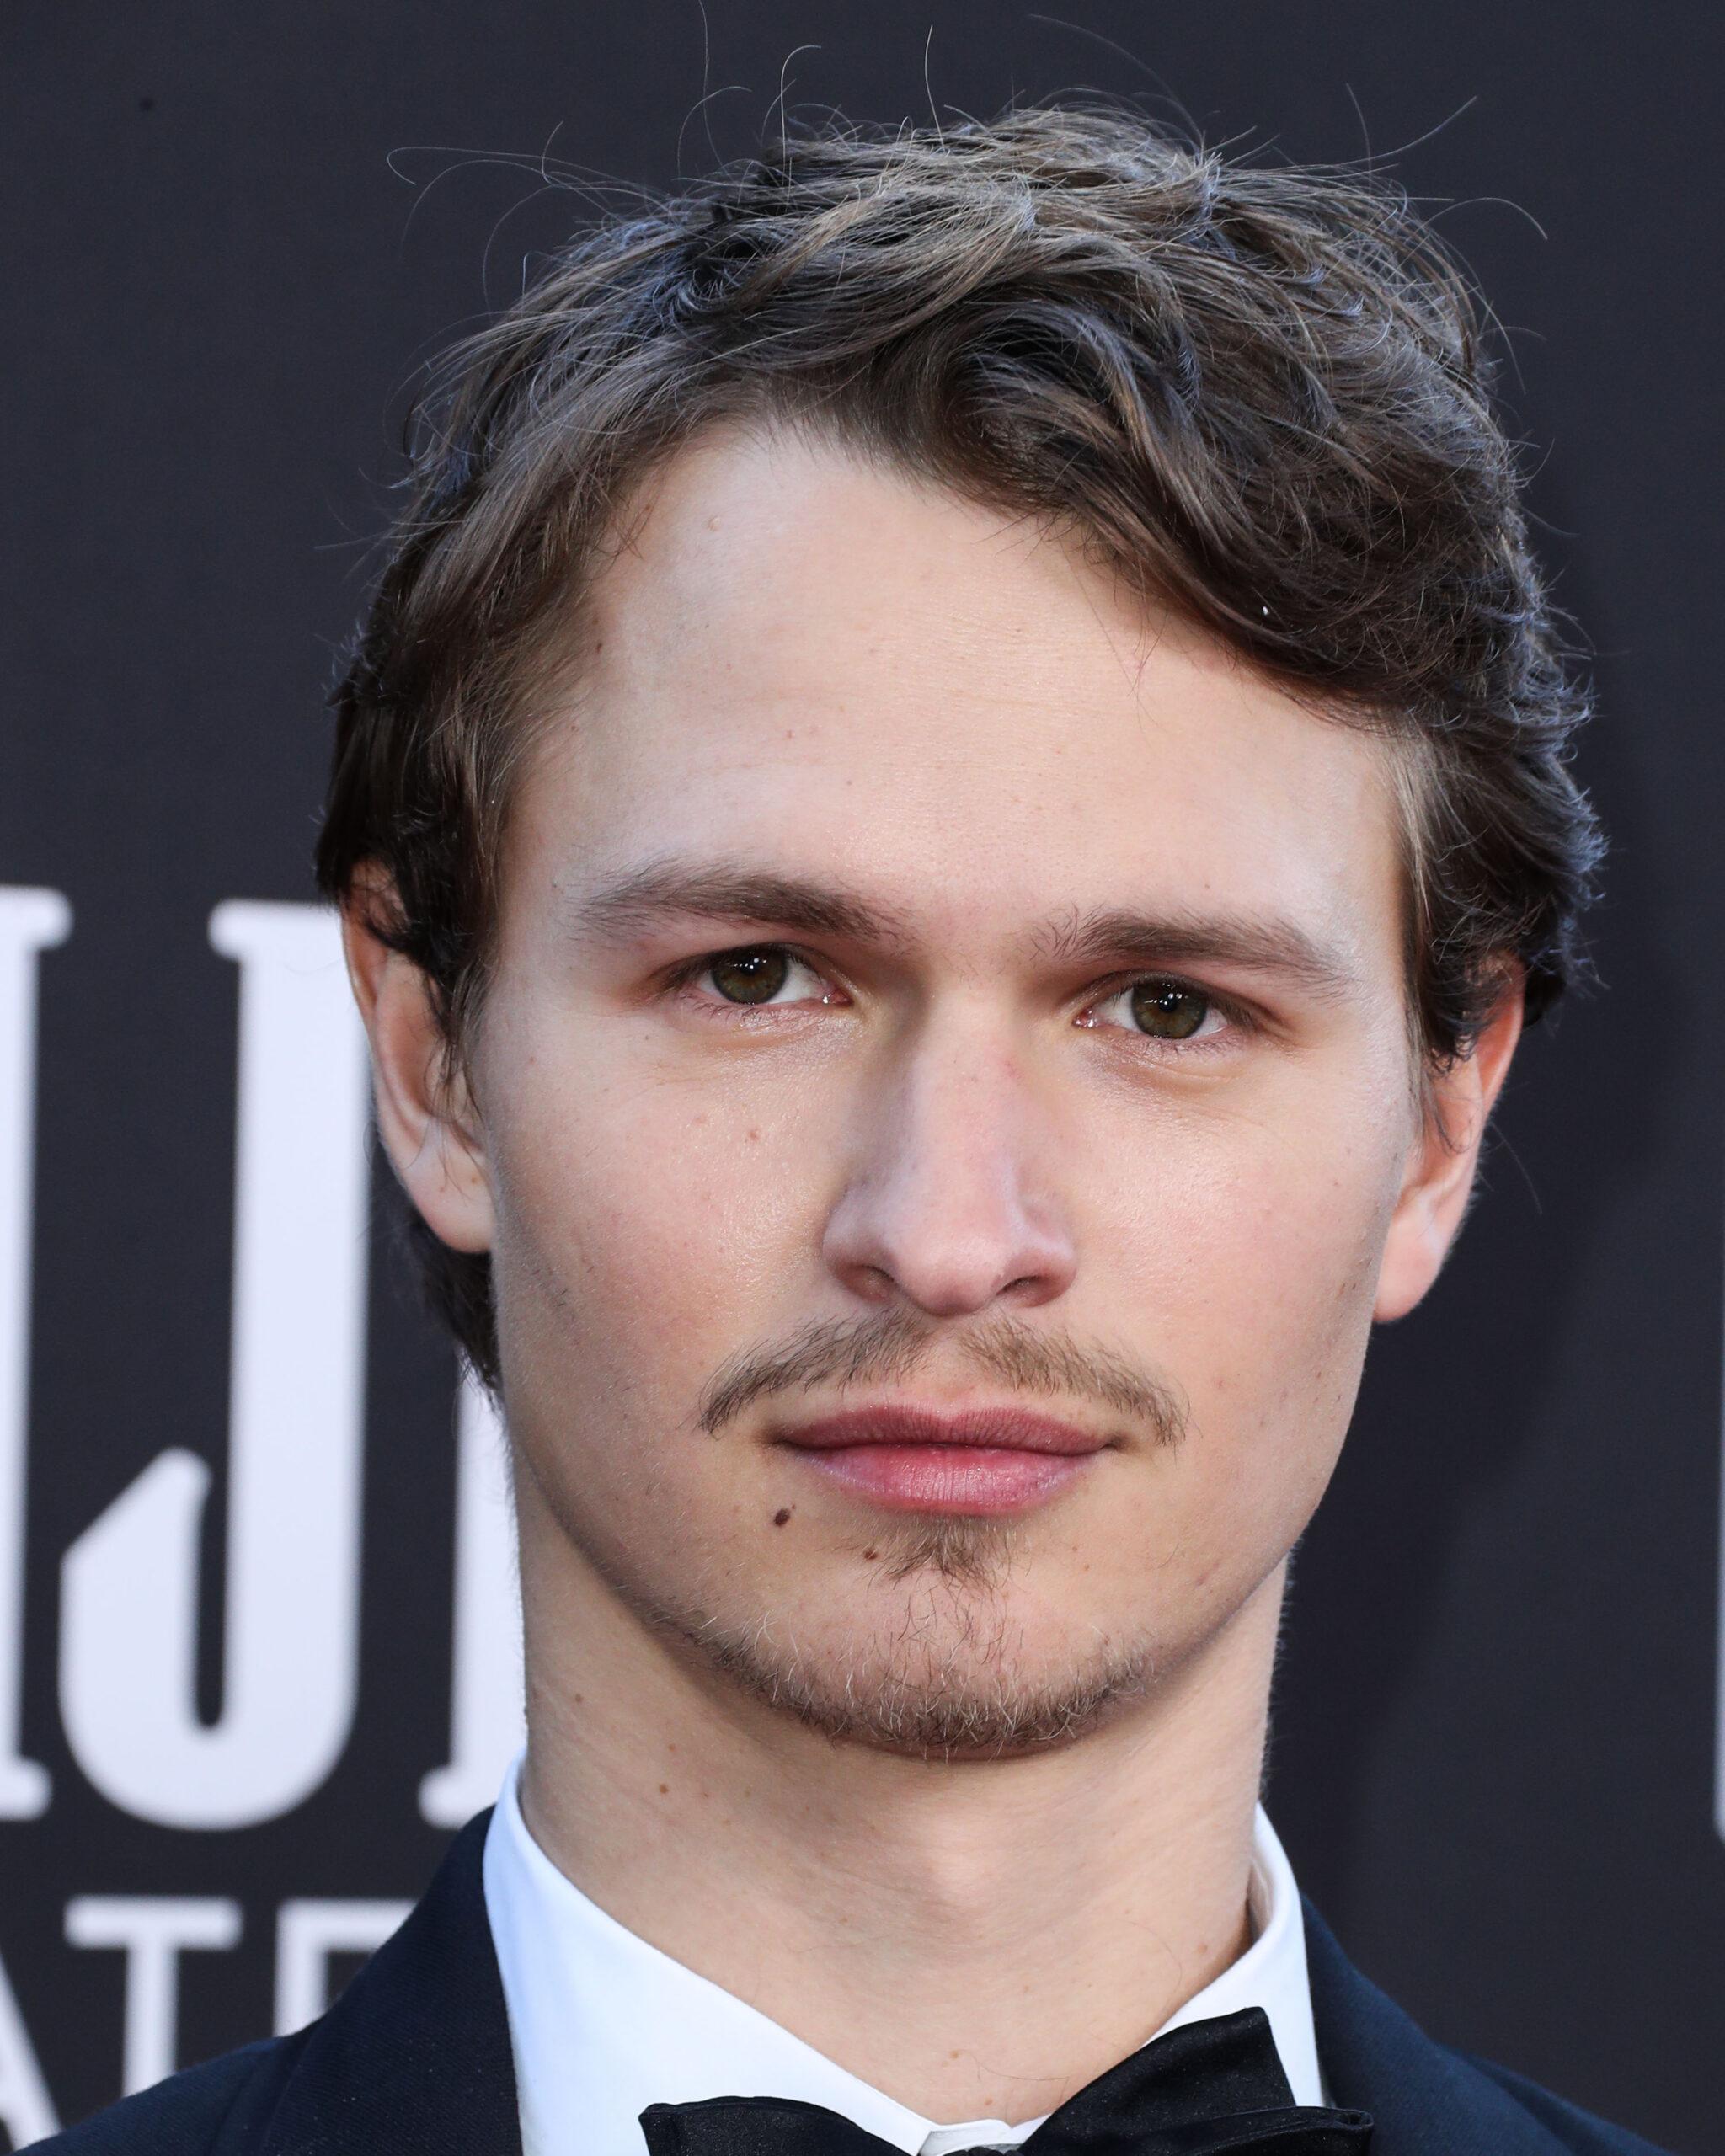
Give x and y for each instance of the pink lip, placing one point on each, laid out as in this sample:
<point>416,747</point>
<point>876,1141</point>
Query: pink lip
<point>985,1461</point>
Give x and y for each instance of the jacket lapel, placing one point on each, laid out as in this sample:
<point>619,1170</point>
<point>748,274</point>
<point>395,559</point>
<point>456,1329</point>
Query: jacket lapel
<point>1426,2100</point>
<point>413,2058</point>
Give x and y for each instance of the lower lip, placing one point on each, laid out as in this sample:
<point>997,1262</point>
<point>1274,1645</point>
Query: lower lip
<point>947,1478</point>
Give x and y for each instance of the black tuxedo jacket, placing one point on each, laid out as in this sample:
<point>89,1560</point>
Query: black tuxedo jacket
<point>413,2060</point>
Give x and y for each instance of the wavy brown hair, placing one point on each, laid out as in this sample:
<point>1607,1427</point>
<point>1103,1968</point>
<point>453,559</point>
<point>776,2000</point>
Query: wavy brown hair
<point>1258,392</point>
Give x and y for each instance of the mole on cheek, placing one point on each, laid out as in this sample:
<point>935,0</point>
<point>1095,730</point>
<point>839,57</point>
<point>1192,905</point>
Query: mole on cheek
<point>781,1515</point>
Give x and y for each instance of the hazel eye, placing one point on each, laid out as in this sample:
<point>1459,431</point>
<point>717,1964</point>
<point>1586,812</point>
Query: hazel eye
<point>1158,1007</point>
<point>758,975</point>
<point>1166,1010</point>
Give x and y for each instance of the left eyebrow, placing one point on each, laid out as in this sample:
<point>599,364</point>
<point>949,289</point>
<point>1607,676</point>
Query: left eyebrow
<point>1269,945</point>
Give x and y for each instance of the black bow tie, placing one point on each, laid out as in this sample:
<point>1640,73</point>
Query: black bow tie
<point>1209,2088</point>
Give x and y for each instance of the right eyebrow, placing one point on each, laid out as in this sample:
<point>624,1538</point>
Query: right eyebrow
<point>677,889</point>
<point>1268,944</point>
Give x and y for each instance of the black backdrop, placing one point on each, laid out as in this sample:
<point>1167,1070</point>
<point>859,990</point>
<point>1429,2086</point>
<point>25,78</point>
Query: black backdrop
<point>1496,1740</point>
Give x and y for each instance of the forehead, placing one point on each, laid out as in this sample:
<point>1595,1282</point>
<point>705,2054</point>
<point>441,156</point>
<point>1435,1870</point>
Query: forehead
<point>794,657</point>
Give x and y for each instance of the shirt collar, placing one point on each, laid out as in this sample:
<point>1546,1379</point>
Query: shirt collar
<point>591,2005</point>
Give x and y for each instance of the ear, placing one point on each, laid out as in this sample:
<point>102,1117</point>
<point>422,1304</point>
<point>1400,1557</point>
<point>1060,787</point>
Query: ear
<point>425,1115</point>
<point>1444,1158</point>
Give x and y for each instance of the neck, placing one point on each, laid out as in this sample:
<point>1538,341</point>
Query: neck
<point>975,1939</point>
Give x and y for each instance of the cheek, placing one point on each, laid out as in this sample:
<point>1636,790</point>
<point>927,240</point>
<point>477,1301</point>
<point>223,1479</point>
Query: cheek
<point>1254,1250</point>
<point>640,1225</point>
<point>619,1224</point>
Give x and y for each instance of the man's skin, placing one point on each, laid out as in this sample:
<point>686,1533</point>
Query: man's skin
<point>965,1801</point>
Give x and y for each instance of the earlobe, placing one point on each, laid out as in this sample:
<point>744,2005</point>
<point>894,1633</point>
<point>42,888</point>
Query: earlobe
<point>1443,1160</point>
<point>424,1112</point>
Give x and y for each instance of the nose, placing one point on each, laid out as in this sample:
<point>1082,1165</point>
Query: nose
<point>946,1204</point>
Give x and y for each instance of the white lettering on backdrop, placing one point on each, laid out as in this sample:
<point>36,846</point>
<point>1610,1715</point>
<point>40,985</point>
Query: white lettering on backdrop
<point>128,1656</point>
<point>130,1605</point>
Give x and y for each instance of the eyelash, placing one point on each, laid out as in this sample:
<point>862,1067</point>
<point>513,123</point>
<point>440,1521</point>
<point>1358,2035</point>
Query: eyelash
<point>1239,1020</point>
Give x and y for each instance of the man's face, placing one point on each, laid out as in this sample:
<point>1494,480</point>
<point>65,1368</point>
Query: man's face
<point>928,982</point>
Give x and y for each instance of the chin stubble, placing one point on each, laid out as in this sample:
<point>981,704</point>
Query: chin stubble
<point>941,1679</point>
<point>939,1691</point>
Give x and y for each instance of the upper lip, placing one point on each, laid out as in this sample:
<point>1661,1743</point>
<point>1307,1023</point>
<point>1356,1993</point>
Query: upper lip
<point>1006,1429</point>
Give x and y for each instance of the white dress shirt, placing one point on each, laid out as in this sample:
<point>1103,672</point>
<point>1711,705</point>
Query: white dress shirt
<point>603,2024</point>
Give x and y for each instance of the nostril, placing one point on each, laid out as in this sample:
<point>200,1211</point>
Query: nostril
<point>874,1284</point>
